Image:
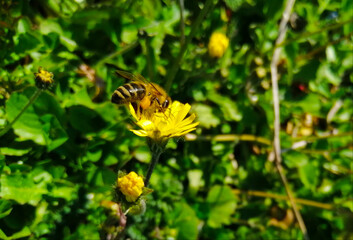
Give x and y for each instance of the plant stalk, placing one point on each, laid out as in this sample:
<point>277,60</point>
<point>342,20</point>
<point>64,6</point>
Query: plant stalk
<point>275,96</point>
<point>156,150</point>
<point>31,100</point>
<point>195,26</point>
<point>285,198</point>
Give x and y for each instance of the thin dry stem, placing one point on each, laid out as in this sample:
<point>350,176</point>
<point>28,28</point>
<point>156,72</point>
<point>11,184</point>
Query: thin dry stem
<point>321,30</point>
<point>228,138</point>
<point>275,96</point>
<point>285,198</point>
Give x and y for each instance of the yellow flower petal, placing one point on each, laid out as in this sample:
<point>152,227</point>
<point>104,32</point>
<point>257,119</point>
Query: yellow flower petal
<point>147,125</point>
<point>141,133</point>
<point>187,121</point>
<point>171,123</point>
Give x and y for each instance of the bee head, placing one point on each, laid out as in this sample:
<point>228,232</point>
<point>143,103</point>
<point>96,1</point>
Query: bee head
<point>163,105</point>
<point>166,103</point>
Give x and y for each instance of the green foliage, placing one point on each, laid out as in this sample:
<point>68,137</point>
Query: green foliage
<point>60,159</point>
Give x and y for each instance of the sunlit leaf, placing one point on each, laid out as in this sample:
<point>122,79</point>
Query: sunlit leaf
<point>22,188</point>
<point>185,221</point>
<point>222,203</point>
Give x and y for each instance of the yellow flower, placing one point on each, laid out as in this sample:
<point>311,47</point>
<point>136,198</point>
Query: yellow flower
<point>44,79</point>
<point>131,185</point>
<point>162,126</point>
<point>218,44</point>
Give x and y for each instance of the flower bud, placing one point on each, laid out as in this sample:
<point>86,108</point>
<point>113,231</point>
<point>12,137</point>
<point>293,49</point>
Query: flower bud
<point>218,45</point>
<point>131,185</point>
<point>44,79</point>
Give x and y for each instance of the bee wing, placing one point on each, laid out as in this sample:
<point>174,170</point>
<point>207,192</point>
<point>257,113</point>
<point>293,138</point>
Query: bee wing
<point>142,79</point>
<point>128,75</point>
<point>136,78</point>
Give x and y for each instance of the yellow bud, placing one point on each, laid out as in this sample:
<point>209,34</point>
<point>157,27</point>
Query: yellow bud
<point>44,79</point>
<point>218,45</point>
<point>261,72</point>
<point>131,185</point>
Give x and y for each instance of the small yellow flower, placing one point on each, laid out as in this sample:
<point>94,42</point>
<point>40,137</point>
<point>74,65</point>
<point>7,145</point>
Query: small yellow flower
<point>44,79</point>
<point>131,185</point>
<point>218,44</point>
<point>162,126</point>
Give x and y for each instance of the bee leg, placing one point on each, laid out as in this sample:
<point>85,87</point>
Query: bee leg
<point>138,109</point>
<point>140,112</point>
<point>135,106</point>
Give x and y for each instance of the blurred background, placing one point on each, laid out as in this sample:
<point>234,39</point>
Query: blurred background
<point>60,160</point>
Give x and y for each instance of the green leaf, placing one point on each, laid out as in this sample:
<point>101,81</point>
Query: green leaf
<point>65,190</point>
<point>309,175</point>
<point>23,25</point>
<point>25,232</point>
<point>222,204</point>
<point>143,154</point>
<point>39,122</point>
<point>51,26</point>
<point>205,115</point>
<point>233,4</point>
<point>5,208</point>
<point>47,103</point>
<point>22,188</point>
<point>326,74</point>
<point>55,134</point>
<point>25,43</point>
<point>295,159</point>
<point>228,107</point>
<point>311,103</point>
<point>9,151</point>
<point>85,120</point>
<point>28,126</point>
<point>185,221</point>
<point>85,232</point>
<point>101,176</point>
<point>195,180</point>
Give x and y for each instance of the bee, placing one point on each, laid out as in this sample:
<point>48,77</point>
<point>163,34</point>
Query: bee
<point>146,97</point>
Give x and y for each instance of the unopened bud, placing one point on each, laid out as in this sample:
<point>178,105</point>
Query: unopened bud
<point>44,79</point>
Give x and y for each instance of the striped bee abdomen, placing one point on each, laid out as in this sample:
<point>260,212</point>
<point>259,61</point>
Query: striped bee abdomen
<point>129,92</point>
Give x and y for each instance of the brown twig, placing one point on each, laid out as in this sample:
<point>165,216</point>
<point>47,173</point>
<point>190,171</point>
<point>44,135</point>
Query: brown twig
<point>309,34</point>
<point>275,97</point>
<point>322,48</point>
<point>327,135</point>
<point>285,198</point>
<point>228,138</point>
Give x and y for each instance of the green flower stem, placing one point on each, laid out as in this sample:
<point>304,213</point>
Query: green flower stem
<point>195,26</point>
<point>31,100</point>
<point>157,149</point>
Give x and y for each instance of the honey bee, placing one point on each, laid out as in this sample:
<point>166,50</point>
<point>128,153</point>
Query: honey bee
<point>146,97</point>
